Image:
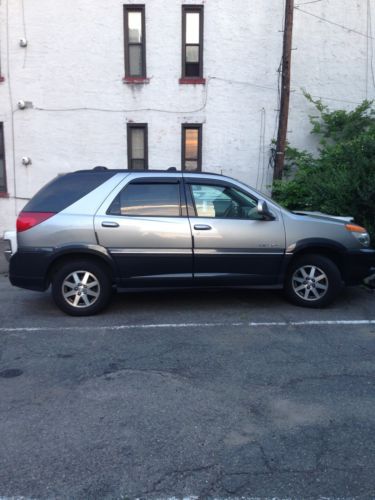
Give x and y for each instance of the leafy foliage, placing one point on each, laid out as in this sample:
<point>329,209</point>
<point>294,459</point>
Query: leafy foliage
<point>340,180</point>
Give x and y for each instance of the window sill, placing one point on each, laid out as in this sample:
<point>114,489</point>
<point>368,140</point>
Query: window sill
<point>2,79</point>
<point>3,194</point>
<point>192,81</point>
<point>135,80</point>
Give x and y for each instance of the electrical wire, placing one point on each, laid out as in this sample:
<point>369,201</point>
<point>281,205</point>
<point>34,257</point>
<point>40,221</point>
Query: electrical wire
<point>367,48</point>
<point>278,99</point>
<point>260,147</point>
<point>10,104</point>
<point>109,110</point>
<point>159,110</point>
<point>24,31</point>
<point>239,82</point>
<point>263,147</point>
<point>370,39</point>
<point>306,3</point>
<point>351,30</point>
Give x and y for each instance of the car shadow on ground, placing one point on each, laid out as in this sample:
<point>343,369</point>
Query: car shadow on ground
<point>197,304</point>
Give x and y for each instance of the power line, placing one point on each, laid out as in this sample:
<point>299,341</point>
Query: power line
<point>351,30</point>
<point>109,110</point>
<point>306,3</point>
<point>24,31</point>
<point>367,47</point>
<point>201,108</point>
<point>263,148</point>
<point>159,110</point>
<point>369,25</point>
<point>10,104</point>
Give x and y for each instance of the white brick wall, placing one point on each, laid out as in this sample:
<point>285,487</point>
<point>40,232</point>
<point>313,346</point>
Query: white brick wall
<point>75,60</point>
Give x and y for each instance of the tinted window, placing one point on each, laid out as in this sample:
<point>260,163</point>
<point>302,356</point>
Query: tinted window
<point>65,190</point>
<point>148,199</point>
<point>224,202</point>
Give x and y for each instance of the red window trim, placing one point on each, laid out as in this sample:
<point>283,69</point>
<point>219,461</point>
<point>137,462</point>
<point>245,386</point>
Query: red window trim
<point>192,81</point>
<point>2,79</point>
<point>136,80</point>
<point>4,194</point>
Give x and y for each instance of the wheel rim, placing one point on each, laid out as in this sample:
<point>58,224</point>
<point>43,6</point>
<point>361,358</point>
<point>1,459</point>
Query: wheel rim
<point>310,283</point>
<point>81,289</point>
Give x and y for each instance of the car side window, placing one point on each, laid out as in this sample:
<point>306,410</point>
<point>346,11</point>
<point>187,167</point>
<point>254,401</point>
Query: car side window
<point>153,200</point>
<point>223,202</point>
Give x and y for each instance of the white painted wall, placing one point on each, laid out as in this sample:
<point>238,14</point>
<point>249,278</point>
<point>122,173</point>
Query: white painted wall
<point>74,60</point>
<point>330,62</point>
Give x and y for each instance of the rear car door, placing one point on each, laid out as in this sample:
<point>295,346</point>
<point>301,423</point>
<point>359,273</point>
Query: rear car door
<point>147,232</point>
<point>232,241</point>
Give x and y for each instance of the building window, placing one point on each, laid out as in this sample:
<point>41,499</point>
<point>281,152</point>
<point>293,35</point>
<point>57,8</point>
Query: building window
<point>135,41</point>
<point>137,146</point>
<point>3,183</point>
<point>192,41</point>
<point>191,147</point>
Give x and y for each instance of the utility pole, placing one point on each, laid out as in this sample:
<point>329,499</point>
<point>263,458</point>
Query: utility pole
<point>285,91</point>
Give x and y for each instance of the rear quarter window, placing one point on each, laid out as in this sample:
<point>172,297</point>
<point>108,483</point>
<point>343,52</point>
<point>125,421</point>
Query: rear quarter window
<point>65,190</point>
<point>154,200</point>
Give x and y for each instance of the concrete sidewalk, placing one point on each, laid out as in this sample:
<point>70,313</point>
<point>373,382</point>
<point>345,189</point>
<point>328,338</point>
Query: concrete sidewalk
<point>3,262</point>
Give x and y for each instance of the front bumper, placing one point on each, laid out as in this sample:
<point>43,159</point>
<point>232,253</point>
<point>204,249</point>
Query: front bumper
<point>358,265</point>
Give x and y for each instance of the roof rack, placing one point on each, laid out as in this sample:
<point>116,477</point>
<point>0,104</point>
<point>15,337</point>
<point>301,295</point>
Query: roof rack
<point>100,168</point>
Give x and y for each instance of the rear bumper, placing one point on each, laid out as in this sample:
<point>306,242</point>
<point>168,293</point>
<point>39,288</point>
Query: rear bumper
<point>10,238</point>
<point>358,265</point>
<point>28,269</point>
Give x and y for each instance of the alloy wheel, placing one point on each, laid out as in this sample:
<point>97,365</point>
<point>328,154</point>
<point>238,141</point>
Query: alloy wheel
<point>310,283</point>
<point>80,289</point>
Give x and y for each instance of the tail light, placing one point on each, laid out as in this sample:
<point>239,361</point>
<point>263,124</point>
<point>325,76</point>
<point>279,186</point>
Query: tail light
<point>27,220</point>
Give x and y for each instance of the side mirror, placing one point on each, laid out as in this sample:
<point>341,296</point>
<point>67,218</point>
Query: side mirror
<point>263,210</point>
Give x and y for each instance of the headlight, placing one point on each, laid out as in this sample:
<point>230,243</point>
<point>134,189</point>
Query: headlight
<point>360,233</point>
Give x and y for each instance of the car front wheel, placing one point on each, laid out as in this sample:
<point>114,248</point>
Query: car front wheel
<point>313,281</point>
<point>81,288</point>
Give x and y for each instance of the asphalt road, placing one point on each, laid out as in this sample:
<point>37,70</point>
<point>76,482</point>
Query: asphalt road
<point>221,394</point>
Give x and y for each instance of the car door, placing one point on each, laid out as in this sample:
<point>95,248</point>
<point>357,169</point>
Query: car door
<point>146,230</point>
<point>233,243</point>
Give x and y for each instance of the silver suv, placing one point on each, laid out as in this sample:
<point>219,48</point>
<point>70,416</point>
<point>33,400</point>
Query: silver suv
<point>88,231</point>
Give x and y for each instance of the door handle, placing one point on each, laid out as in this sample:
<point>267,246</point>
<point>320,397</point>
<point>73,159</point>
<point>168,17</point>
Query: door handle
<point>110,224</point>
<point>202,227</point>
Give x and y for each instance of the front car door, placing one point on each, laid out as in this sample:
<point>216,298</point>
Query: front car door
<point>146,230</point>
<point>233,243</point>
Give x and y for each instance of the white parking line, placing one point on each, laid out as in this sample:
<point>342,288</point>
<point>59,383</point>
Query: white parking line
<point>351,322</point>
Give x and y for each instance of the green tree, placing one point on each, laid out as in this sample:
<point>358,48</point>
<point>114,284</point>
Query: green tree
<point>340,179</point>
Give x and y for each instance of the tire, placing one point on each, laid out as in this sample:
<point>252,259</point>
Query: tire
<point>312,281</point>
<point>81,287</point>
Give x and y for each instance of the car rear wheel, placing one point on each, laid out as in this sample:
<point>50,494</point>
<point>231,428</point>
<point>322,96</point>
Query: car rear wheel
<point>313,281</point>
<point>81,288</point>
